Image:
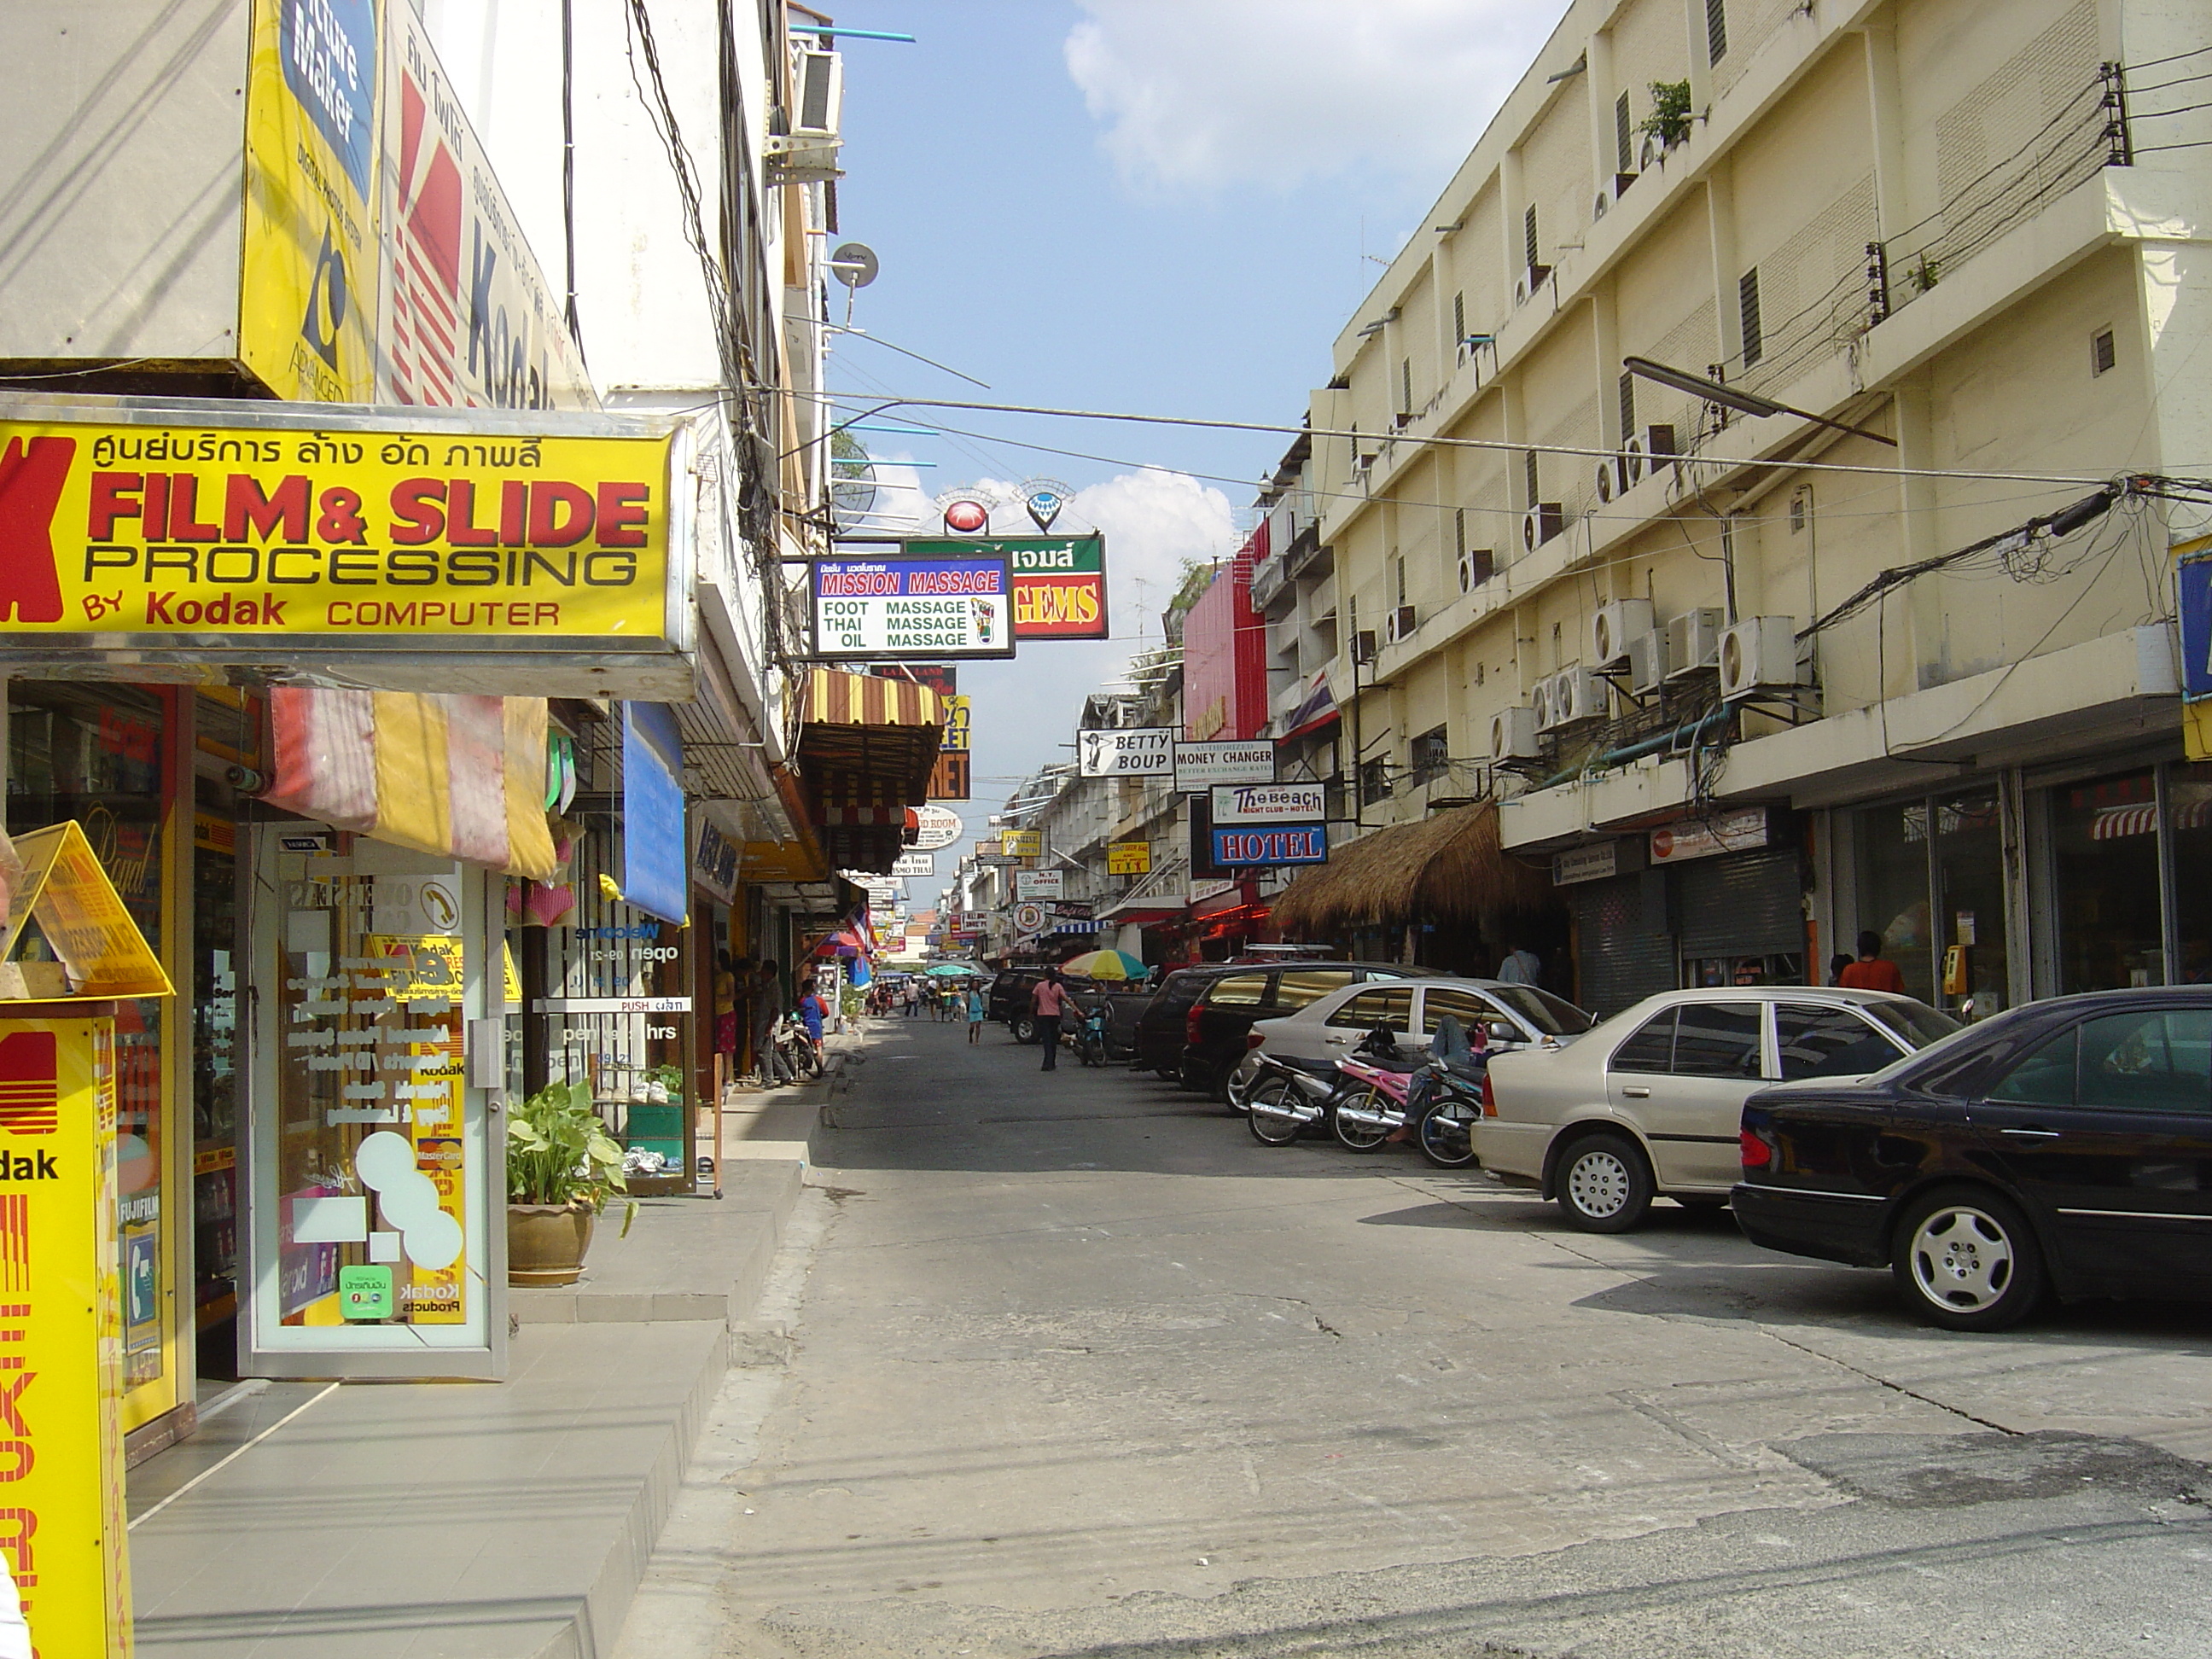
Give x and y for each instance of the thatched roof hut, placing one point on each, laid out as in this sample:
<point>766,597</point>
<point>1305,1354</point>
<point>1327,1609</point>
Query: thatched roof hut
<point>1449,867</point>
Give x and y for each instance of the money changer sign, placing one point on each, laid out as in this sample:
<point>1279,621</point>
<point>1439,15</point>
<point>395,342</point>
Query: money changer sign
<point>215,540</point>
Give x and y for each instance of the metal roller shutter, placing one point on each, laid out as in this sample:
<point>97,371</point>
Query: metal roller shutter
<point>1743,904</point>
<point>1624,956</point>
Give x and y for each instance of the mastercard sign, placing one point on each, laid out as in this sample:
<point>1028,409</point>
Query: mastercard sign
<point>1059,581</point>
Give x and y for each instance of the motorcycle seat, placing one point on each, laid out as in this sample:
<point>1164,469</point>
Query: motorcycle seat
<point>1391,1063</point>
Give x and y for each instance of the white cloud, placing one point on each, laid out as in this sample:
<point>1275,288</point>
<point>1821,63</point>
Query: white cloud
<point>1280,93</point>
<point>1154,519</point>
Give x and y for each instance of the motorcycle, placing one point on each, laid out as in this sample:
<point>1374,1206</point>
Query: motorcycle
<point>796,1048</point>
<point>1089,1039</point>
<point>1445,1100</point>
<point>1369,1105</point>
<point>1284,1099</point>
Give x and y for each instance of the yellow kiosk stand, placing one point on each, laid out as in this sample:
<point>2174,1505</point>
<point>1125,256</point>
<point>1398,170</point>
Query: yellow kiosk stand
<point>71,951</point>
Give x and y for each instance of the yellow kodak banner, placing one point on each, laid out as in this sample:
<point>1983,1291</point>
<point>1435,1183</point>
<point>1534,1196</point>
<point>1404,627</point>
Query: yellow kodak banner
<point>150,536</point>
<point>61,1326</point>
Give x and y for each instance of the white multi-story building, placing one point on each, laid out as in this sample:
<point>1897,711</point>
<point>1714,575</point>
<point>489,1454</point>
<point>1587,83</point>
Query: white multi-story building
<point>1876,634</point>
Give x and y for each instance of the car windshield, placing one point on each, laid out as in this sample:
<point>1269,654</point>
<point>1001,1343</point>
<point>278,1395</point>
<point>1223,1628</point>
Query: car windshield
<point>1915,1023</point>
<point>1550,1015</point>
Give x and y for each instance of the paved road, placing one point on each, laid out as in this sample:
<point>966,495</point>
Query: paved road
<point>1083,1370</point>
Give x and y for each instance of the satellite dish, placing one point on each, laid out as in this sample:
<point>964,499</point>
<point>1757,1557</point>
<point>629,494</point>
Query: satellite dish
<point>852,481</point>
<point>855,264</point>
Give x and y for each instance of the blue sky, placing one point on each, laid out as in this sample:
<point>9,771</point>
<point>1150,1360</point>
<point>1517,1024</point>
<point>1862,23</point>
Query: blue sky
<point>1160,206</point>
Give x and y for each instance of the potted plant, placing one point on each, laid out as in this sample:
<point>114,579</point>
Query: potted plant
<point>561,1168</point>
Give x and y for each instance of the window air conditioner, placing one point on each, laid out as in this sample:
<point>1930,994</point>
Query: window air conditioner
<point>1612,478</point>
<point>1640,455</point>
<point>1578,696</point>
<point>1758,654</point>
<point>1614,626</point>
<point>1363,466</point>
<point>1475,567</point>
<point>1693,643</point>
<point>1399,625</point>
<point>1540,710</point>
<point>1647,661</point>
<point>1363,646</point>
<point>1540,524</point>
<point>820,84</point>
<point>1513,735</point>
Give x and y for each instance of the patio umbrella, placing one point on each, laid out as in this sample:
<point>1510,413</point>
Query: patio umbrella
<point>1105,965</point>
<point>951,971</point>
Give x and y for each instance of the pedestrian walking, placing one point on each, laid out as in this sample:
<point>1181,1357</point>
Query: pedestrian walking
<point>1049,1002</point>
<point>977,1008</point>
<point>912,998</point>
<point>767,1009</point>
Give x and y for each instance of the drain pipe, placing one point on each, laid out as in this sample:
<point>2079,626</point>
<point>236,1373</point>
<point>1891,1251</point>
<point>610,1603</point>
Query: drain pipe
<point>1643,746</point>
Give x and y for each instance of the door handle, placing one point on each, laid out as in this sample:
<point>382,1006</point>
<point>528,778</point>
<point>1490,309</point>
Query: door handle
<point>2030,1134</point>
<point>1637,1094</point>
<point>1338,1041</point>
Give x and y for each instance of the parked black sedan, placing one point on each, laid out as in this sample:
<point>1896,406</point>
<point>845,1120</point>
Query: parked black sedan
<point>2064,1146</point>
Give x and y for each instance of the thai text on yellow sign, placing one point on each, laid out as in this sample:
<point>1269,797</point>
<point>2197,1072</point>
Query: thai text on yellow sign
<point>61,1323</point>
<point>143,535</point>
<point>1129,858</point>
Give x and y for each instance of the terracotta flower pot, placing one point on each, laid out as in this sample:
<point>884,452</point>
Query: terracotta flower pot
<point>546,1242</point>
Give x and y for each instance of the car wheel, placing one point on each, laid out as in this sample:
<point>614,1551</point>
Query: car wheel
<point>1023,1028</point>
<point>1967,1260</point>
<point>1604,1184</point>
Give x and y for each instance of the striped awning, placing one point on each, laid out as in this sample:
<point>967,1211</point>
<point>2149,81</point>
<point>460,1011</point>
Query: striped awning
<point>2142,817</point>
<point>834,698</point>
<point>866,748</point>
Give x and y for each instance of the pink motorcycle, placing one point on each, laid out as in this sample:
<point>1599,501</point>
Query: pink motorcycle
<point>1369,1104</point>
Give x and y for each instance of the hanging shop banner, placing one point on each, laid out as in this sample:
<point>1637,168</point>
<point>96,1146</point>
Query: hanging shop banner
<point>1129,858</point>
<point>61,1319</point>
<point>1136,752</point>
<point>1059,581</point>
<point>1268,802</point>
<point>653,812</point>
<point>1022,843</point>
<point>956,722</point>
<point>207,543</point>
<point>1288,843</point>
<point>940,827</point>
<point>901,607</point>
<point>1705,838</point>
<point>2193,574</point>
<point>914,864</point>
<point>1201,765</point>
<point>1039,883</point>
<point>950,776</point>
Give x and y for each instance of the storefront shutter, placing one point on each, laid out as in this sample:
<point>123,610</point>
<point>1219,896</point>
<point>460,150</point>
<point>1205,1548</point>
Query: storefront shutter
<point>1626,957</point>
<point>1743,904</point>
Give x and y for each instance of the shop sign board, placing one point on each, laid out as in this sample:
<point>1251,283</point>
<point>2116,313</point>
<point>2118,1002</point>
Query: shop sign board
<point>1070,910</point>
<point>991,858</point>
<point>1129,858</point>
<point>939,827</point>
<point>1059,581</point>
<point>61,1318</point>
<point>1596,861</point>
<point>1022,843</point>
<point>951,777</point>
<point>1279,845</point>
<point>941,677</point>
<point>1039,883</point>
<point>955,723</point>
<point>1704,838</point>
<point>653,812</point>
<point>914,864</point>
<point>2194,576</point>
<point>1201,765</point>
<point>267,532</point>
<point>1135,751</point>
<point>1028,918</point>
<point>1237,804</point>
<point>912,607</point>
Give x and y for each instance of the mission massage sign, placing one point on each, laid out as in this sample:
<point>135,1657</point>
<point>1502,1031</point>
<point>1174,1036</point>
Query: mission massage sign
<point>151,536</point>
<point>901,607</point>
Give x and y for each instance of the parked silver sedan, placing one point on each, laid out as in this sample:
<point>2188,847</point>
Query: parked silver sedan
<point>1649,1103</point>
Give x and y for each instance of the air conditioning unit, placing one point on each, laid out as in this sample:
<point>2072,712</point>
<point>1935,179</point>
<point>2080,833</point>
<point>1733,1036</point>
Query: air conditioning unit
<point>1647,661</point>
<point>1363,646</point>
<point>1758,654</point>
<point>1475,567</point>
<point>1640,455</point>
<point>820,85</point>
<point>1578,696</point>
<point>1612,478</point>
<point>1540,524</point>
<point>1363,466</point>
<point>1399,625</point>
<point>1541,708</point>
<point>1693,643</point>
<point>1513,735</point>
<point>1614,627</point>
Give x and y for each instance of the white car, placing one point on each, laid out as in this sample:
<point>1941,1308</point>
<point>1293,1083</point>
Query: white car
<point>1650,1102</point>
<point>1512,1017</point>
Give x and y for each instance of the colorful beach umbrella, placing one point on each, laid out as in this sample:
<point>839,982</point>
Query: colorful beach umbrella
<point>1105,965</point>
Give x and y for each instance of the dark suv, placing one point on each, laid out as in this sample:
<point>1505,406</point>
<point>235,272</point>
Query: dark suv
<point>1160,1032</point>
<point>1009,1000</point>
<point>1218,1019</point>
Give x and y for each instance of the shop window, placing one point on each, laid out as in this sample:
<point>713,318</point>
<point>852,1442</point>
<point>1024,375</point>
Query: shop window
<point>1970,904</point>
<point>2104,868</point>
<point>1814,1042</point>
<point>1652,1048</point>
<point>1717,1039</point>
<point>1431,755</point>
<point>2148,1062</point>
<point>1893,880</point>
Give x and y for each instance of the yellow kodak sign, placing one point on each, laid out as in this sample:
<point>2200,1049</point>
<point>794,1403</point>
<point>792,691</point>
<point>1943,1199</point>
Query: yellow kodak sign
<point>223,539</point>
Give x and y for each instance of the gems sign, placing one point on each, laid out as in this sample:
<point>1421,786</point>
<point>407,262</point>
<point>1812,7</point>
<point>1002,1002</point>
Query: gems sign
<point>930,608</point>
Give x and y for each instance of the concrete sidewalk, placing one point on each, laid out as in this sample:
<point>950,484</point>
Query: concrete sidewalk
<point>479,1521</point>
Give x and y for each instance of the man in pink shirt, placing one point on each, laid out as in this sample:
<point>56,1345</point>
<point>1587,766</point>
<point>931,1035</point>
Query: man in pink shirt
<point>1049,1000</point>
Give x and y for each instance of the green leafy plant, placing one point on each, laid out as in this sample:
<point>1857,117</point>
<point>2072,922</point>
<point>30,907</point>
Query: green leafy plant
<point>1669,120</point>
<point>1924,275</point>
<point>559,1153</point>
